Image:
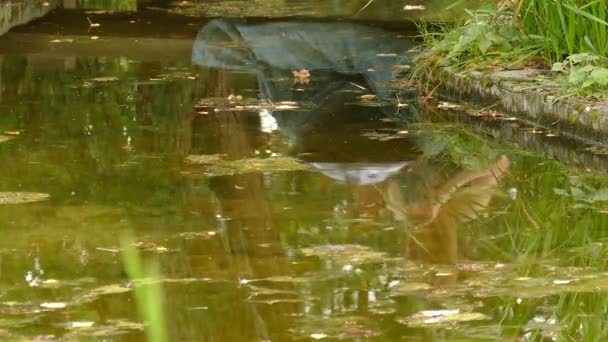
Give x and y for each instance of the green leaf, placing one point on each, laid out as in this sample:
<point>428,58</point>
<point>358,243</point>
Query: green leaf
<point>577,76</point>
<point>588,83</point>
<point>582,57</point>
<point>558,67</point>
<point>600,76</point>
<point>484,45</point>
<point>577,193</point>
<point>600,195</point>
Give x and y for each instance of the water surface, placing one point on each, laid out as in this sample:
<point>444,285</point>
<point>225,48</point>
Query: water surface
<point>288,183</point>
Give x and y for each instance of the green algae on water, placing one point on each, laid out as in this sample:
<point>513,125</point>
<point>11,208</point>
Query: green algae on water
<point>214,165</point>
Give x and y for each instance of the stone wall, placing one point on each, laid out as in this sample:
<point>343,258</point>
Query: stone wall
<point>19,12</point>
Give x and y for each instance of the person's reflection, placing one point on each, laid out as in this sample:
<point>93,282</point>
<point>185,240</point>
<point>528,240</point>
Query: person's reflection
<point>433,222</point>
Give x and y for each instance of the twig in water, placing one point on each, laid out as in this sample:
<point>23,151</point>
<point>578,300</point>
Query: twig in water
<point>366,6</point>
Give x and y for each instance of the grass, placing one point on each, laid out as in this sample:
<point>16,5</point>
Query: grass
<point>567,27</point>
<point>569,37</point>
<point>149,294</point>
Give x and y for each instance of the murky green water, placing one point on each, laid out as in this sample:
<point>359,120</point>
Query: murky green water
<point>280,206</point>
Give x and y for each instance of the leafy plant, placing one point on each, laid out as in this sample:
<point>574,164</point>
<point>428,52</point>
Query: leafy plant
<point>484,39</point>
<point>583,72</point>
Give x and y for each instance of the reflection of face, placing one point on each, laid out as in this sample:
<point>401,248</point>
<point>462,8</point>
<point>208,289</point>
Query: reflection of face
<point>434,221</point>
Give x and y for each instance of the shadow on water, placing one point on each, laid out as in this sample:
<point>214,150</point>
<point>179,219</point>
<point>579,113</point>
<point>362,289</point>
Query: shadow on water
<point>288,186</point>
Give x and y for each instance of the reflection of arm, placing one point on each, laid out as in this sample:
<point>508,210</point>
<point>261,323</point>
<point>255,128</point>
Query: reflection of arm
<point>464,195</point>
<point>459,200</point>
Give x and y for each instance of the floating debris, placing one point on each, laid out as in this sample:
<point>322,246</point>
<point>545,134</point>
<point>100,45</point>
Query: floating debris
<point>15,308</point>
<point>434,317</point>
<point>338,327</point>
<point>4,138</point>
<point>101,291</point>
<point>414,8</point>
<point>239,103</point>
<point>22,197</point>
<point>383,136</point>
<point>110,328</point>
<point>301,76</point>
<point>450,106</point>
<point>80,324</point>
<point>346,254</point>
<point>53,305</point>
<point>214,165</point>
<point>62,41</point>
<point>410,288</point>
<point>367,97</point>
<point>150,247</point>
<point>104,79</point>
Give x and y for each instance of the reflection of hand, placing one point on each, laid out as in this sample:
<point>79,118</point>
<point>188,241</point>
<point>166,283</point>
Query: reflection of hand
<point>459,200</point>
<point>464,196</point>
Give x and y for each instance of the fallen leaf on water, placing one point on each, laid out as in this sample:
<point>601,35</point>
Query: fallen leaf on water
<point>95,331</point>
<point>112,250</point>
<point>80,324</point>
<point>53,305</point>
<point>367,97</point>
<point>534,131</point>
<point>346,254</point>
<point>318,336</point>
<point>150,246</point>
<point>22,197</point>
<point>431,317</point>
<point>4,138</point>
<point>105,79</point>
<point>284,107</point>
<point>235,98</point>
<point>144,245</point>
<point>450,106</point>
<point>301,76</point>
<point>102,290</point>
<point>414,8</point>
<point>408,288</point>
<point>14,133</point>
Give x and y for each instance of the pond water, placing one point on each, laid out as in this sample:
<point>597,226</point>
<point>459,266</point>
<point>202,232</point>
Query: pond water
<point>278,181</point>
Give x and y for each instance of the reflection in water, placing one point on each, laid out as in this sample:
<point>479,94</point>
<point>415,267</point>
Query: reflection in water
<point>285,255</point>
<point>344,61</point>
<point>434,221</point>
<point>14,13</point>
<point>331,52</point>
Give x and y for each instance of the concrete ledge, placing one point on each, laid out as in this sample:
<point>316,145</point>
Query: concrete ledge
<point>518,92</point>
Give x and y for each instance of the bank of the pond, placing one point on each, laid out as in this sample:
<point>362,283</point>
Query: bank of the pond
<point>528,93</point>
<point>543,61</point>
